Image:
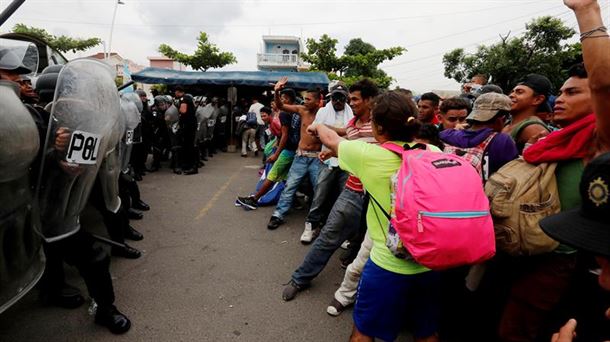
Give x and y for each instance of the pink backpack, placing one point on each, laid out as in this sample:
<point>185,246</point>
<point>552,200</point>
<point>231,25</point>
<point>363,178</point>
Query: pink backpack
<point>439,210</point>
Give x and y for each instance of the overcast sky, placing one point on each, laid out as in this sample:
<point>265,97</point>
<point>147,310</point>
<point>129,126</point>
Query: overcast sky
<point>426,28</point>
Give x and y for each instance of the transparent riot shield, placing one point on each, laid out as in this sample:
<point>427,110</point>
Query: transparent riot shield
<point>131,118</point>
<point>111,168</point>
<point>21,256</point>
<point>84,111</point>
<point>19,56</point>
<point>137,130</point>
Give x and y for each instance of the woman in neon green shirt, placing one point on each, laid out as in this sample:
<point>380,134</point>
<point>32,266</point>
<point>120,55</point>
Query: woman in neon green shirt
<point>392,291</point>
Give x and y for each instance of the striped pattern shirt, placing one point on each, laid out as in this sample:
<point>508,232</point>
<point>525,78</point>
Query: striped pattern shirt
<point>364,133</point>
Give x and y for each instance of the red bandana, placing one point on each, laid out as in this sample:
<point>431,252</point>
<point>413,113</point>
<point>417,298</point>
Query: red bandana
<point>572,142</point>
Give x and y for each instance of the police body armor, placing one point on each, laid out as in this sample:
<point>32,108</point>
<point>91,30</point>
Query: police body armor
<point>22,260</point>
<point>86,104</point>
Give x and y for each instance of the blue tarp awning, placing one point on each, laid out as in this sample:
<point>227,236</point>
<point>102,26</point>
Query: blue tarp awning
<point>300,80</point>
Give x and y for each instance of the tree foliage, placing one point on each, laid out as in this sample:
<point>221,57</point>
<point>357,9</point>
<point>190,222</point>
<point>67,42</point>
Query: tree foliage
<point>541,49</point>
<point>207,56</point>
<point>360,59</point>
<point>59,43</point>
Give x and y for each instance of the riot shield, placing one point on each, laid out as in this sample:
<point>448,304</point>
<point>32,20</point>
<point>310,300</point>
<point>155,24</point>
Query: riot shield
<point>22,259</point>
<point>172,118</point>
<point>131,119</point>
<point>83,113</point>
<point>111,168</point>
<point>19,56</point>
<point>137,130</point>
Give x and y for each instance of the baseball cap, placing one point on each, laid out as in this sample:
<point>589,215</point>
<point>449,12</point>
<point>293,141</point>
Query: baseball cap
<point>587,227</point>
<point>541,85</point>
<point>487,106</point>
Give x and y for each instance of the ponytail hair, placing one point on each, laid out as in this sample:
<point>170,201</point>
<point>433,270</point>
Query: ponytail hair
<point>394,115</point>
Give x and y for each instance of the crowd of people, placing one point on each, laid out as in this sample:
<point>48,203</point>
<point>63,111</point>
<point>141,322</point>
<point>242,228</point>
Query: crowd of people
<point>541,160</point>
<point>479,217</point>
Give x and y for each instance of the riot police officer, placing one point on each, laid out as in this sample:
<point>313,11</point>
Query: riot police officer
<point>69,165</point>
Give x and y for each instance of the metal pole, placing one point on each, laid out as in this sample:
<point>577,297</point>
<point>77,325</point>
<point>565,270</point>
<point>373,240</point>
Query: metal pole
<point>116,6</point>
<point>10,9</point>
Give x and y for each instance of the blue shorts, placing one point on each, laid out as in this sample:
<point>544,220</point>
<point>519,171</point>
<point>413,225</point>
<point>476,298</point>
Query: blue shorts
<point>388,302</point>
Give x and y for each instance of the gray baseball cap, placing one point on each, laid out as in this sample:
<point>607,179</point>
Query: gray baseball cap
<point>487,106</point>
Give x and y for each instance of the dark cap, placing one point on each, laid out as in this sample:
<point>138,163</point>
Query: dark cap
<point>338,88</point>
<point>540,85</point>
<point>587,227</point>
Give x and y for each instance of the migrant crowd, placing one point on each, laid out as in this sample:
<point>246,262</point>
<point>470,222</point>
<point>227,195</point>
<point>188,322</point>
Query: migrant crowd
<point>480,217</point>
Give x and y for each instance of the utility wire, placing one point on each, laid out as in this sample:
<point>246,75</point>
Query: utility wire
<point>460,33</point>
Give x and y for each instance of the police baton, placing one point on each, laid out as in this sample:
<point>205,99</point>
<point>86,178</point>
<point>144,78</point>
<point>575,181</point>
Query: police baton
<point>108,241</point>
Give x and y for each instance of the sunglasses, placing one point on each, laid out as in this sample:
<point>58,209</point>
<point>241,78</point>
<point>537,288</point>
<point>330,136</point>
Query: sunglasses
<point>338,98</point>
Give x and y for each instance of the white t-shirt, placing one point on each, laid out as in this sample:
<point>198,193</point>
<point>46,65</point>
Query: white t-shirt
<point>328,116</point>
<point>256,108</point>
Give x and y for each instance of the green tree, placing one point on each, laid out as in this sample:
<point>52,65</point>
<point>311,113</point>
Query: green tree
<point>360,59</point>
<point>541,49</point>
<point>206,56</point>
<point>59,43</point>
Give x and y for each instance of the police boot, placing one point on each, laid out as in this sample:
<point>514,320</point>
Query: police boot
<point>127,252</point>
<point>111,318</point>
<point>133,234</point>
<point>140,205</point>
<point>134,215</point>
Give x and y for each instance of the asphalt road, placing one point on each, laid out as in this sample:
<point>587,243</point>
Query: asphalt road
<point>209,272</point>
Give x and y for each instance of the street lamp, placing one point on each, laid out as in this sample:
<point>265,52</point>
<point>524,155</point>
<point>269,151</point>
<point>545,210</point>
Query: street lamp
<point>116,6</point>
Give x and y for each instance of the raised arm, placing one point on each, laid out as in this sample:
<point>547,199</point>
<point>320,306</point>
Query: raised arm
<point>596,55</point>
<point>276,97</point>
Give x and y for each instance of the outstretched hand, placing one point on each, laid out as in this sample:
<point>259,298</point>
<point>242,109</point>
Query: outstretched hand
<point>312,129</point>
<point>579,4</point>
<point>281,83</point>
<point>566,333</point>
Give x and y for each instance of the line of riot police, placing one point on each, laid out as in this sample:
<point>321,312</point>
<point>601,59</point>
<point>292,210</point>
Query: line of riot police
<point>64,145</point>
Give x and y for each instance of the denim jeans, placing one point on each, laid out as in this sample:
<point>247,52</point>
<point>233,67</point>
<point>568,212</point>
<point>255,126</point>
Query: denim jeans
<point>342,221</point>
<point>301,167</point>
<point>331,181</point>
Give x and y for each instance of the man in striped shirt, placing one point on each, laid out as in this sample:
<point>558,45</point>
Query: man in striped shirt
<point>344,219</point>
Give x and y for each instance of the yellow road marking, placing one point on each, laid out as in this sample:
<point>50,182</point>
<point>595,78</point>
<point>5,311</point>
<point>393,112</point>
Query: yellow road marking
<point>214,198</point>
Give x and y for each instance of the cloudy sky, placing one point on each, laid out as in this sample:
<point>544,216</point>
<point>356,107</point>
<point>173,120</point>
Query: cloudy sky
<point>426,28</point>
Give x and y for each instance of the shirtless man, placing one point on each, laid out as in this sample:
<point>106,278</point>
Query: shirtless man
<point>306,162</point>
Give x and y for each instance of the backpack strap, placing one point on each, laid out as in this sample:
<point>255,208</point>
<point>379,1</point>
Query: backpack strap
<point>399,150</point>
<point>379,206</point>
<point>483,145</point>
<point>528,122</point>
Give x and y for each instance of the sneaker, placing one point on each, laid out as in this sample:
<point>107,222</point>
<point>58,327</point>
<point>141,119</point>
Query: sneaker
<point>291,290</point>
<point>274,222</point>
<point>345,245</point>
<point>248,202</point>
<point>335,308</point>
<point>307,235</point>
